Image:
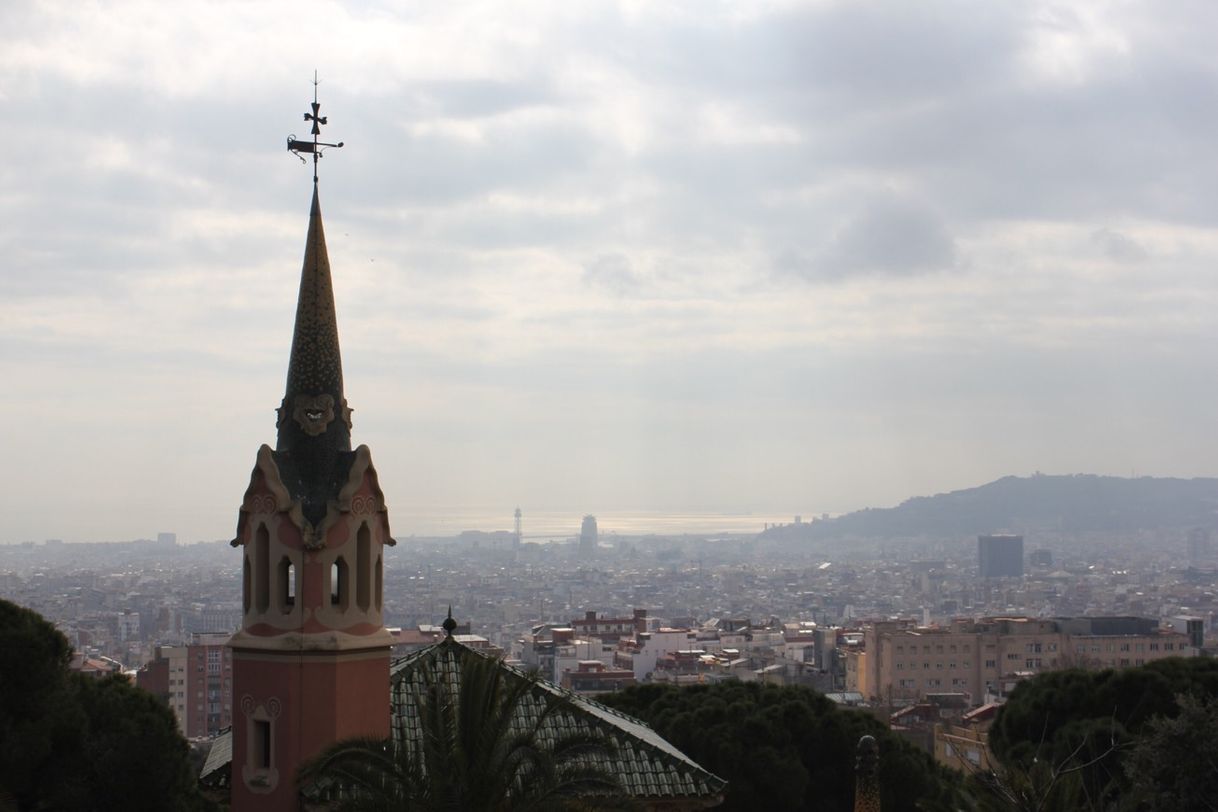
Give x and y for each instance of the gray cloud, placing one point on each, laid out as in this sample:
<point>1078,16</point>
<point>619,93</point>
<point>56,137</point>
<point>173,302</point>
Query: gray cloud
<point>614,273</point>
<point>892,236</point>
<point>889,235</point>
<point>1116,246</point>
<point>560,226</point>
<point>480,98</point>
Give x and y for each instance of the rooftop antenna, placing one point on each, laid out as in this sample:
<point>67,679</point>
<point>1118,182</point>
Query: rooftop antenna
<point>314,147</point>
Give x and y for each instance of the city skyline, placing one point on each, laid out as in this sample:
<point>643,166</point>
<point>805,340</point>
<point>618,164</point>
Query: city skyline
<point>789,258</point>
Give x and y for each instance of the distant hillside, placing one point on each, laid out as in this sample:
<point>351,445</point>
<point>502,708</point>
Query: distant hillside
<point>1078,503</point>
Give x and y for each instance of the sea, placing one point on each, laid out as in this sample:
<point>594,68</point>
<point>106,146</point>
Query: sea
<point>541,526</point>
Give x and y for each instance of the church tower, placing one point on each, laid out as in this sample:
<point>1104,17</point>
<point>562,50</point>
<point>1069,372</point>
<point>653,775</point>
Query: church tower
<point>311,661</point>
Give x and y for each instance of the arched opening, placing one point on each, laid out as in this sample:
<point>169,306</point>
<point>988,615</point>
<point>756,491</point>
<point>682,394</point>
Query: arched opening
<point>262,569</point>
<point>363,554</point>
<point>245,583</point>
<point>261,751</point>
<point>338,584</point>
<point>380,584</point>
<point>287,585</point>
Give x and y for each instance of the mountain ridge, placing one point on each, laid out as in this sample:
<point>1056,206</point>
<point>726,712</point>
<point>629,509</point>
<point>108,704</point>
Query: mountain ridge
<point>1066,503</point>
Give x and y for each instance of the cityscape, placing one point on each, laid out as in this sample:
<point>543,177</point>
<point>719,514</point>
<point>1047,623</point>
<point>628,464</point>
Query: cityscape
<point>761,406</point>
<point>118,601</point>
<point>597,612</point>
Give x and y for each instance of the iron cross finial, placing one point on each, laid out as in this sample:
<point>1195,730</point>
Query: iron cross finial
<point>316,119</point>
<point>314,147</point>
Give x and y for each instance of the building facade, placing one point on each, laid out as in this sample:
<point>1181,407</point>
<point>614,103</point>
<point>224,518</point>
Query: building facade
<point>1000,556</point>
<point>588,537</point>
<point>902,662</point>
<point>610,628</point>
<point>196,681</point>
<point>640,654</point>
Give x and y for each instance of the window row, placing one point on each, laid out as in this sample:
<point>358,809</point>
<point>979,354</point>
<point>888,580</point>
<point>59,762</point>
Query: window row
<point>257,575</point>
<point>939,666</point>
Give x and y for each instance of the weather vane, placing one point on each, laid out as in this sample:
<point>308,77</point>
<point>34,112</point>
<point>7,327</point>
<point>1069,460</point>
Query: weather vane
<point>314,147</point>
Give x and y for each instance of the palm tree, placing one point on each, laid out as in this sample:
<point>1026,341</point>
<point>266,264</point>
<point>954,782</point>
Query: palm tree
<point>478,751</point>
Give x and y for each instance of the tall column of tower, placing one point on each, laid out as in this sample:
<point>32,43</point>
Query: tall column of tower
<point>311,661</point>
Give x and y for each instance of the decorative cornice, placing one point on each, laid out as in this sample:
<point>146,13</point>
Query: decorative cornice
<point>321,642</point>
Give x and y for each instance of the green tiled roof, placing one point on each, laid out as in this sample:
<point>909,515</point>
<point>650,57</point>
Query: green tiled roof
<point>647,765</point>
<point>216,769</point>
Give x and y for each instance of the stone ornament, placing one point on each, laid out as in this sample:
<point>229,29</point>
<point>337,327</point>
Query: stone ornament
<point>313,413</point>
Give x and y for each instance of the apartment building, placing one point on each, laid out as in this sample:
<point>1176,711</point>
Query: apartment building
<point>610,628</point>
<point>196,680</point>
<point>901,661</point>
<point>964,744</point>
<point>639,655</point>
<point>593,677</point>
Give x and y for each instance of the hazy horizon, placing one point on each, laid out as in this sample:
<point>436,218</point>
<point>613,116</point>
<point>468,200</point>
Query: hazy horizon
<point>541,525</point>
<point>558,524</point>
<point>776,257</point>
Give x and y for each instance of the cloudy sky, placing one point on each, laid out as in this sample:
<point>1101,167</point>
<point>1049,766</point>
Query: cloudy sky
<point>763,257</point>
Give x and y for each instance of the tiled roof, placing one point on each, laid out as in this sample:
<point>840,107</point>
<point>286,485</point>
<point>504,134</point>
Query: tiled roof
<point>216,769</point>
<point>986,711</point>
<point>649,768</point>
<point>647,765</point>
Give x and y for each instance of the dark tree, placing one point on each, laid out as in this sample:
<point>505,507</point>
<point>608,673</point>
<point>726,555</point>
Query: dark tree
<point>1080,726</point>
<point>1174,765</point>
<point>72,742</point>
<point>1046,710</point>
<point>127,755</point>
<point>785,747</point>
<point>37,717</point>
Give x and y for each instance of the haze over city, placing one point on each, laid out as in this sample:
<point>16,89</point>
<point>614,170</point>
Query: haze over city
<point>710,258</point>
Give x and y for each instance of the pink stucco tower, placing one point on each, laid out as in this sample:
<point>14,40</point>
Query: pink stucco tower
<point>311,661</point>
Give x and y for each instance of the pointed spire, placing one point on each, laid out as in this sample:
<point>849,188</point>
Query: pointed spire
<point>313,402</point>
<point>314,446</point>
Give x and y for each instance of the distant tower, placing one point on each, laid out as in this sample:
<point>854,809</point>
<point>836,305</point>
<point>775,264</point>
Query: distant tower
<point>1198,546</point>
<point>588,537</point>
<point>519,535</point>
<point>1000,556</point>
<point>311,661</point>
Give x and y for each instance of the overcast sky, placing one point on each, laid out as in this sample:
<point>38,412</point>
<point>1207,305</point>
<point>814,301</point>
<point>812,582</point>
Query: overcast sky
<point>594,257</point>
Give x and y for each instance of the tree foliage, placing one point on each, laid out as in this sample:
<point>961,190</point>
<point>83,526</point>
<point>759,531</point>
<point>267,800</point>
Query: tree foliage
<point>1042,709</point>
<point>1040,787</point>
<point>474,753</point>
<point>1174,764</point>
<point>785,747</point>
<point>71,742</point>
<point>33,720</point>
<point>1073,730</point>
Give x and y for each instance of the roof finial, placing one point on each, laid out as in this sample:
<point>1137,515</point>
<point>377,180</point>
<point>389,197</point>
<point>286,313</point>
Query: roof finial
<point>314,147</point>
<point>449,625</point>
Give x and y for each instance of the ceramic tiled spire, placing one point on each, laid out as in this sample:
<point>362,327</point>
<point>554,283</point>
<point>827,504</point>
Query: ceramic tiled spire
<point>314,421</point>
